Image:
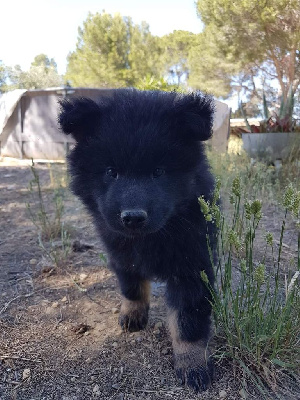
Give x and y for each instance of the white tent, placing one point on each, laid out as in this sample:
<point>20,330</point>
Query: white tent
<point>28,123</point>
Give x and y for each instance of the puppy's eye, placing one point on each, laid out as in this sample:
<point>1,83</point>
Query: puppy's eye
<point>110,171</point>
<point>158,172</point>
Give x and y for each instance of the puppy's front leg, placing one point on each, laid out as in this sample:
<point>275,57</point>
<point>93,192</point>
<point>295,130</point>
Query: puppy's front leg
<point>189,323</point>
<point>135,301</point>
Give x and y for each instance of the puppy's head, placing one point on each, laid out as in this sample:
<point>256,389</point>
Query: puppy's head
<point>138,155</point>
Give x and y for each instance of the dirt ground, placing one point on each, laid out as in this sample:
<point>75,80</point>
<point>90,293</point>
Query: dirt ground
<point>59,333</point>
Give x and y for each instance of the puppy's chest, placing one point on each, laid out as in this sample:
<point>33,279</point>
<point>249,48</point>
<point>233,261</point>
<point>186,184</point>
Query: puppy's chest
<point>153,259</point>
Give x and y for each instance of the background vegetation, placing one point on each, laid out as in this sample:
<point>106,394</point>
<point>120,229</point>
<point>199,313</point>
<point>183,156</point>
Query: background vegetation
<point>246,48</point>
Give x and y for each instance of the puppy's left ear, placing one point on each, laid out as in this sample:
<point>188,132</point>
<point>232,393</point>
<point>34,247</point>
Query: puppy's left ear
<point>194,115</point>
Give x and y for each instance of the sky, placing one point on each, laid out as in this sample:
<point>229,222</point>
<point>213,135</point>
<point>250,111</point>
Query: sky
<point>32,27</point>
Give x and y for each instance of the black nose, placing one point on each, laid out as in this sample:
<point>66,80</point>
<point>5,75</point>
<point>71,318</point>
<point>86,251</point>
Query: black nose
<point>133,219</point>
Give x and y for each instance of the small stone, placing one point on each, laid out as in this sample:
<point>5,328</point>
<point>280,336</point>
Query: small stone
<point>33,261</point>
<point>158,325</point>
<point>115,344</point>
<point>88,360</point>
<point>64,299</point>
<point>87,333</point>
<point>82,277</point>
<point>26,374</point>
<point>223,394</point>
<point>73,379</point>
<point>55,304</point>
<point>96,390</point>
<point>139,339</point>
<point>115,386</point>
<point>243,394</point>
<point>48,310</point>
<point>115,310</point>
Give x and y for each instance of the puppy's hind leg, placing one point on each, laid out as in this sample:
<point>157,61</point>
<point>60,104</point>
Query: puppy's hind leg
<point>189,324</point>
<point>135,301</point>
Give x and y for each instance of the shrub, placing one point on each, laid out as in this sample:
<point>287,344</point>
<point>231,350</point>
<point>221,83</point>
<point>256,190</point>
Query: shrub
<point>256,304</point>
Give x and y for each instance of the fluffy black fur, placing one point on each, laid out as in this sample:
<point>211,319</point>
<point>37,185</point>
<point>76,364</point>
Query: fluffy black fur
<point>139,167</point>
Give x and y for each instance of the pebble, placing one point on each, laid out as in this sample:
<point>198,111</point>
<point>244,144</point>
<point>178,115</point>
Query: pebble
<point>115,386</point>
<point>33,261</point>
<point>158,325</point>
<point>82,277</point>
<point>115,344</point>
<point>26,374</point>
<point>64,299</point>
<point>223,394</point>
<point>115,310</point>
<point>96,390</point>
<point>55,304</point>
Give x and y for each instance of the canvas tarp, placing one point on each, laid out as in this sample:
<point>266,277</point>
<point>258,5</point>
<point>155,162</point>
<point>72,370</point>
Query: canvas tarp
<point>221,127</point>
<point>31,129</point>
<point>8,102</point>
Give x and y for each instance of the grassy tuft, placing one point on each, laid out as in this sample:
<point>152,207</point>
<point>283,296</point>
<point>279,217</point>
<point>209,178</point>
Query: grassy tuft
<point>256,302</point>
<point>53,234</point>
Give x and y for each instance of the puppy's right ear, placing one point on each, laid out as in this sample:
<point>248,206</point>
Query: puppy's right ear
<point>79,117</point>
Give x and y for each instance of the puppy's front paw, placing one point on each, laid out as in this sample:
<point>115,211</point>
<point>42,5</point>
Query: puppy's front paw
<point>133,315</point>
<point>198,377</point>
<point>193,365</point>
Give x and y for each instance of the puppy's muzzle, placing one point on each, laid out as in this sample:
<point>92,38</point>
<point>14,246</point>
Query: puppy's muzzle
<point>134,219</point>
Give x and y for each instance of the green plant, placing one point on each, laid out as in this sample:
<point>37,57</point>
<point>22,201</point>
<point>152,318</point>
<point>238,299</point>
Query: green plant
<point>256,304</point>
<point>57,251</point>
<point>152,83</point>
<point>257,179</point>
<point>53,235</point>
<point>283,121</point>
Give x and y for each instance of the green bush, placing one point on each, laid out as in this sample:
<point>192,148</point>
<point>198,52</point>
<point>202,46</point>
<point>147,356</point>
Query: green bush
<point>256,303</point>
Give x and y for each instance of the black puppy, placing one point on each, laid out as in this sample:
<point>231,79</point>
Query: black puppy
<point>139,167</point>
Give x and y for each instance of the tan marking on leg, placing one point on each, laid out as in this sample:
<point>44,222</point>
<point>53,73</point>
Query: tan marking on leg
<point>134,314</point>
<point>190,353</point>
